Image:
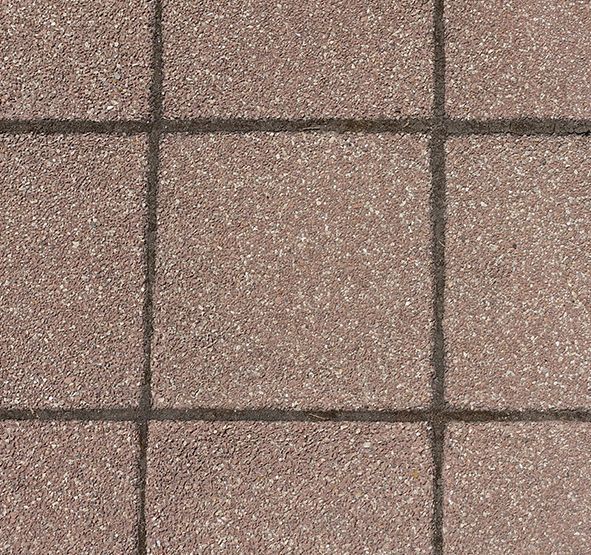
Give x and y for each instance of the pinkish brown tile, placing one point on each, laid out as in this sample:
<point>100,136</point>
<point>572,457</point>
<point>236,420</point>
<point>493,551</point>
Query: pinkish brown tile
<point>517,489</point>
<point>518,304</point>
<point>262,487</point>
<point>72,270</point>
<point>518,58</point>
<point>75,60</point>
<point>293,271</point>
<point>68,487</point>
<point>255,59</point>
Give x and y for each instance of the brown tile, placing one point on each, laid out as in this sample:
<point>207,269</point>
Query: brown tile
<point>518,302</point>
<point>75,60</point>
<point>517,488</point>
<point>72,270</point>
<point>516,58</point>
<point>268,487</point>
<point>68,487</point>
<point>337,58</point>
<point>293,271</point>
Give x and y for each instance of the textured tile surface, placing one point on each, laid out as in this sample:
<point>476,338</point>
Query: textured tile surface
<point>68,487</point>
<point>517,317</point>
<point>293,271</point>
<point>72,270</point>
<point>75,60</point>
<point>261,487</point>
<point>517,58</point>
<point>341,58</point>
<point>517,488</point>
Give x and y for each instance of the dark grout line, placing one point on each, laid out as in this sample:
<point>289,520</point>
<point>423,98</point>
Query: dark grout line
<point>145,405</point>
<point>277,415</point>
<point>275,125</point>
<point>55,127</point>
<point>438,212</point>
<point>526,415</point>
<point>438,451</point>
<point>64,415</point>
<point>142,428</point>
<point>460,127</point>
<point>519,126</point>
<point>434,416</point>
<point>438,215</point>
<point>280,415</point>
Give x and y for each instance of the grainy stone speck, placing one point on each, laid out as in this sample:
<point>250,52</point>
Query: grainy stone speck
<point>517,488</point>
<point>293,271</point>
<point>294,59</point>
<point>71,277</point>
<point>261,487</point>
<point>518,288</point>
<point>68,487</point>
<point>81,59</point>
<point>518,58</point>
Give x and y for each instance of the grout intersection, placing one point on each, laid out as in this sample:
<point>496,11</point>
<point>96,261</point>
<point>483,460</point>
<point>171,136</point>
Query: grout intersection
<point>439,127</point>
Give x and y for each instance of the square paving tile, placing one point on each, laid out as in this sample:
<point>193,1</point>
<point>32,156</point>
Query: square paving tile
<point>293,271</point>
<point>518,58</point>
<point>293,59</point>
<point>262,487</point>
<point>72,270</point>
<point>68,487</point>
<point>517,488</point>
<point>518,290</point>
<point>75,60</point>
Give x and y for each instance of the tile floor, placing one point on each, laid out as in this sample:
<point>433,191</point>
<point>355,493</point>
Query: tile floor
<point>295,277</point>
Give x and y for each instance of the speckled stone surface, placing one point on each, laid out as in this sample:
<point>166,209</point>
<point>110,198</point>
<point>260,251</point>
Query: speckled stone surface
<point>293,59</point>
<point>75,60</point>
<point>68,487</point>
<point>293,271</point>
<point>518,301</point>
<point>517,488</point>
<point>518,58</point>
<point>308,313</point>
<point>262,487</point>
<point>71,276</point>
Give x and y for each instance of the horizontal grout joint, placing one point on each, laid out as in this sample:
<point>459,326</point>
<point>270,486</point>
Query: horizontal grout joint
<point>441,126</point>
<point>279,415</point>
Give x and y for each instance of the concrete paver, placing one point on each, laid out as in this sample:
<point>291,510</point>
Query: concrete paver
<point>294,272</point>
<point>75,60</point>
<point>268,487</point>
<point>72,271</point>
<point>517,488</point>
<point>68,487</point>
<point>517,317</point>
<point>293,59</point>
<point>518,58</point>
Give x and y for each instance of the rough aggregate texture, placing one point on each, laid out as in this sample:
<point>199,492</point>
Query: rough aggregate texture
<point>68,487</point>
<point>517,488</point>
<point>80,59</point>
<point>293,59</point>
<point>262,487</point>
<point>293,296</point>
<point>518,58</point>
<point>518,289</point>
<point>71,277</point>
<point>293,271</point>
